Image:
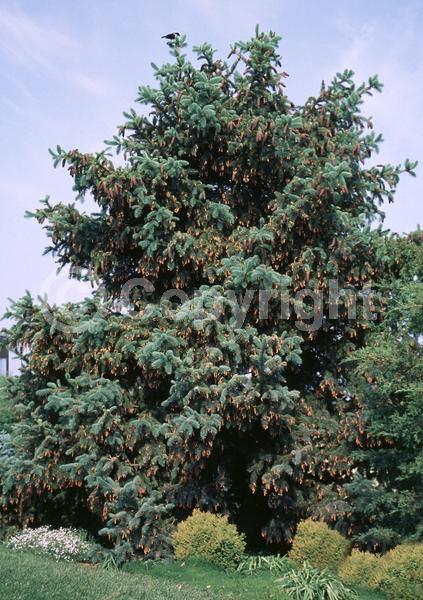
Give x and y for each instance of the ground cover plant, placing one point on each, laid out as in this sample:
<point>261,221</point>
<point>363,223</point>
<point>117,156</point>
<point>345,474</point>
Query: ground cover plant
<point>251,565</point>
<point>309,583</point>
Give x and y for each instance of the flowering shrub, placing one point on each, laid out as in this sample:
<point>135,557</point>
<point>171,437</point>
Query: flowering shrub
<point>63,543</point>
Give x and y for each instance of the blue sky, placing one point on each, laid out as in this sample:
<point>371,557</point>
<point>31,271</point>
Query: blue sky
<point>69,69</point>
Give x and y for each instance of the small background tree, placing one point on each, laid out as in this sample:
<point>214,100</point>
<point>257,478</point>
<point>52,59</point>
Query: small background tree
<point>386,495</point>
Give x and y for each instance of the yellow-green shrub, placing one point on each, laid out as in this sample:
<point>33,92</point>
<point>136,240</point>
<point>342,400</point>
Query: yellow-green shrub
<point>209,537</point>
<point>403,572</point>
<point>362,568</point>
<point>319,545</point>
<point>399,574</point>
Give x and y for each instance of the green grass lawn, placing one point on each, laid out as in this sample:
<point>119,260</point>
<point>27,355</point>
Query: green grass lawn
<point>211,579</point>
<point>25,576</point>
<point>223,585</point>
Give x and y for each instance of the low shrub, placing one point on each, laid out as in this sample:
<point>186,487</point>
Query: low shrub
<point>274,563</point>
<point>402,573</point>
<point>209,537</point>
<point>309,583</point>
<point>319,545</point>
<point>63,543</point>
<point>399,573</point>
<point>361,568</point>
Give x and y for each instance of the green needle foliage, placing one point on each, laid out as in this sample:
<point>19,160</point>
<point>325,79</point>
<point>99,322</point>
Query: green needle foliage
<point>129,417</point>
<point>385,499</point>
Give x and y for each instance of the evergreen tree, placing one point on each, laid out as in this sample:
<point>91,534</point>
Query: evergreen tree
<point>384,501</point>
<point>131,416</point>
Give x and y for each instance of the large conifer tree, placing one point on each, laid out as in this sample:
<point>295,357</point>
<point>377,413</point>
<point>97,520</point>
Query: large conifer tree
<point>130,418</point>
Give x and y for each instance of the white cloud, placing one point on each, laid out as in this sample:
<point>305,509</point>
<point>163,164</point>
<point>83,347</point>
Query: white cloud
<point>93,85</point>
<point>381,50</point>
<point>390,50</point>
<point>33,44</point>
<point>27,42</point>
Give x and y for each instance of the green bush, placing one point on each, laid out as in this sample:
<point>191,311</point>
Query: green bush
<point>402,572</point>
<point>362,568</point>
<point>309,583</point>
<point>399,574</point>
<point>209,537</point>
<point>319,545</point>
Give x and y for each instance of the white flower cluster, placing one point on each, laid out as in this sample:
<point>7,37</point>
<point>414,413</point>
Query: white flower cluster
<point>63,543</point>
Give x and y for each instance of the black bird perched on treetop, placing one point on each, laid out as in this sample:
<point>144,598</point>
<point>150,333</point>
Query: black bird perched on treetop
<point>171,36</point>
